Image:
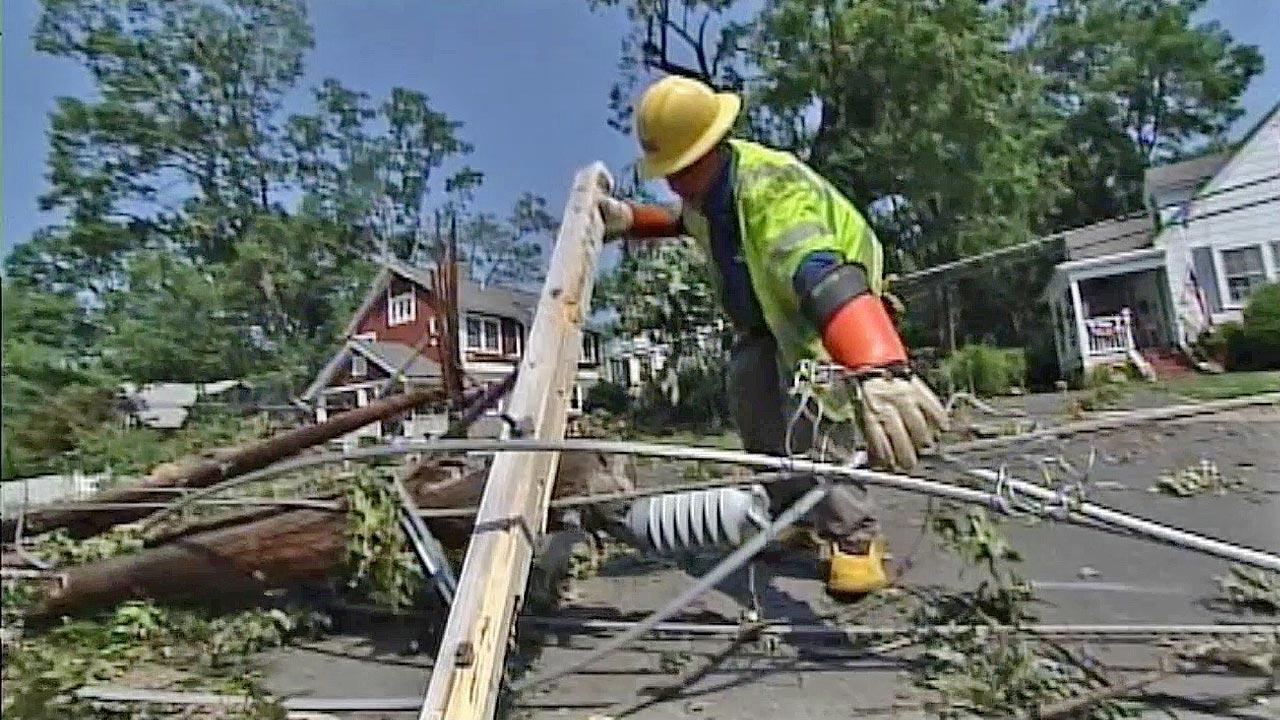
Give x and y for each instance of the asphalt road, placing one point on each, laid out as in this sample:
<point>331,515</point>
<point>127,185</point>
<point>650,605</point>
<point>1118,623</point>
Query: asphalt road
<point>1079,576</point>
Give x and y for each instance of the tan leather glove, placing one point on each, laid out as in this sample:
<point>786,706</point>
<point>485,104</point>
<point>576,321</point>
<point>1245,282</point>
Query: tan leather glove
<point>618,216</point>
<point>899,416</point>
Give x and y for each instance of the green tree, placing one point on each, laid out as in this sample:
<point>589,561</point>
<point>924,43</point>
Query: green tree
<point>186,95</point>
<point>297,279</point>
<point>928,115</point>
<point>175,179</point>
<point>1136,82</point>
<point>925,115</point>
<point>49,387</point>
<point>510,251</point>
<point>175,323</point>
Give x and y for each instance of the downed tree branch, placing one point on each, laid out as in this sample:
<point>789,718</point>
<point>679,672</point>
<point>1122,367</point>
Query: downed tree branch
<point>290,547</point>
<point>1110,692</point>
<point>479,402</point>
<point>254,553</point>
<point>218,465</point>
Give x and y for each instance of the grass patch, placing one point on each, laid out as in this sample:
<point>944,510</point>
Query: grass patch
<point>1226,385</point>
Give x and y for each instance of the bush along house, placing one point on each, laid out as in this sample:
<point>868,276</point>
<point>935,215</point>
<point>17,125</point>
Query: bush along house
<point>378,355</point>
<point>1144,288</point>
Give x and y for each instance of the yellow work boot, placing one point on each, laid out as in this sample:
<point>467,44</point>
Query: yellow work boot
<point>856,574</point>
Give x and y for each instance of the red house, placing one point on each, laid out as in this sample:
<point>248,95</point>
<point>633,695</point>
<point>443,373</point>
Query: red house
<point>396,315</point>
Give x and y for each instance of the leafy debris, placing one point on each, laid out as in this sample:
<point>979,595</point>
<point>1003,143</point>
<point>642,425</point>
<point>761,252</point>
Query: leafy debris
<point>1252,588</point>
<point>380,564</point>
<point>1198,479</point>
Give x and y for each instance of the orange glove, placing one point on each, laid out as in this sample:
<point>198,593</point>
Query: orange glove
<point>898,414</point>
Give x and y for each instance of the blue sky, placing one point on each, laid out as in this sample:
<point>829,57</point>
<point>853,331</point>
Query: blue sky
<point>530,83</point>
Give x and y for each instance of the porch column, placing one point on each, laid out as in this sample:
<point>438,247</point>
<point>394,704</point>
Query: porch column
<point>1082,335</point>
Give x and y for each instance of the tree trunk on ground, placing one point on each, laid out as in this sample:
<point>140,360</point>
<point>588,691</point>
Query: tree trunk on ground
<point>289,546</point>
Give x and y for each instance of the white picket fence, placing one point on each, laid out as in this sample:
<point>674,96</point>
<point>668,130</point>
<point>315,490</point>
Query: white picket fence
<point>45,489</point>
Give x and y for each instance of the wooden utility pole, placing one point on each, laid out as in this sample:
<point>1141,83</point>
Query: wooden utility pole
<point>468,669</point>
<point>279,549</point>
<point>447,292</point>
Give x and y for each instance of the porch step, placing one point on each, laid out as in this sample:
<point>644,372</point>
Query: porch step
<point>1168,363</point>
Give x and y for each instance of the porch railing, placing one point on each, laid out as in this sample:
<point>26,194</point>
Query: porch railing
<point>1110,334</point>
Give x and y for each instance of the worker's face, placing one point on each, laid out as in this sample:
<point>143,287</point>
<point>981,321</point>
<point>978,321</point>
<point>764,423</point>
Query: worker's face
<point>693,182</point>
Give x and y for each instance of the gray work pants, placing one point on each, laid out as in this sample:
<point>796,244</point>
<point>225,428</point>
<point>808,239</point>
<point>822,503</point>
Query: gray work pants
<point>762,412</point>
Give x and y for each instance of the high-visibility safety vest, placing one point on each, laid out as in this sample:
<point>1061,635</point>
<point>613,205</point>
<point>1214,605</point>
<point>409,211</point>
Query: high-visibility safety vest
<point>785,212</point>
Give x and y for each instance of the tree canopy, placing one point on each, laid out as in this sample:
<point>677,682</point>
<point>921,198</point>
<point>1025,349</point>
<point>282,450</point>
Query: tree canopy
<point>957,125</point>
<point>208,231</point>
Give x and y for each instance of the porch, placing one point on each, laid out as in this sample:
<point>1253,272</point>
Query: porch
<point>1112,309</point>
<point>416,424</point>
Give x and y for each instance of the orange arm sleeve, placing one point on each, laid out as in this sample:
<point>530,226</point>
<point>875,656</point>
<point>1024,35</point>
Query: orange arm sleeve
<point>861,335</point>
<point>654,221</point>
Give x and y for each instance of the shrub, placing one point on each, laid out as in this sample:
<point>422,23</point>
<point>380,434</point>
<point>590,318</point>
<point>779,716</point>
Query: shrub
<point>1042,360</point>
<point>1212,343</point>
<point>1255,344</point>
<point>703,396</point>
<point>985,370</point>
<point>701,403</point>
<point>608,396</point>
<point>1105,386</point>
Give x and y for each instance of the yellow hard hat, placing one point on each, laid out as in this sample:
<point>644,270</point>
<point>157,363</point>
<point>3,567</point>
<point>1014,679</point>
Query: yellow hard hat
<point>678,121</point>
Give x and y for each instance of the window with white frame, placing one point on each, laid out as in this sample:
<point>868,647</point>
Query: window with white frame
<point>483,334</point>
<point>619,371</point>
<point>590,348</point>
<point>575,397</point>
<point>1244,270</point>
<point>359,366</point>
<point>401,308</point>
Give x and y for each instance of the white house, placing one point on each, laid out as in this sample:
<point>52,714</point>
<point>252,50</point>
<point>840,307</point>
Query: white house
<point>1144,287</point>
<point>632,361</point>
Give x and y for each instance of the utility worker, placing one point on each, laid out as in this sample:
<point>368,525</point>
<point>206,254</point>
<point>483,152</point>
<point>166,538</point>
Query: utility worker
<point>799,272</point>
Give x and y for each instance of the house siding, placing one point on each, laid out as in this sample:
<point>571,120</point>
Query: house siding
<point>1237,224</point>
<point>512,310</point>
<point>375,320</point>
<point>344,377</point>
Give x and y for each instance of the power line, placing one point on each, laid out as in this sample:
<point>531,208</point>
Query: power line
<point>916,276</point>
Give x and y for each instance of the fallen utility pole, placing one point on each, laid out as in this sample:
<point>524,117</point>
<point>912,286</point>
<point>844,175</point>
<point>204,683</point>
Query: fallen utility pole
<point>218,465</point>
<point>468,669</point>
<point>278,547</point>
<point>298,545</point>
<point>1058,505</point>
